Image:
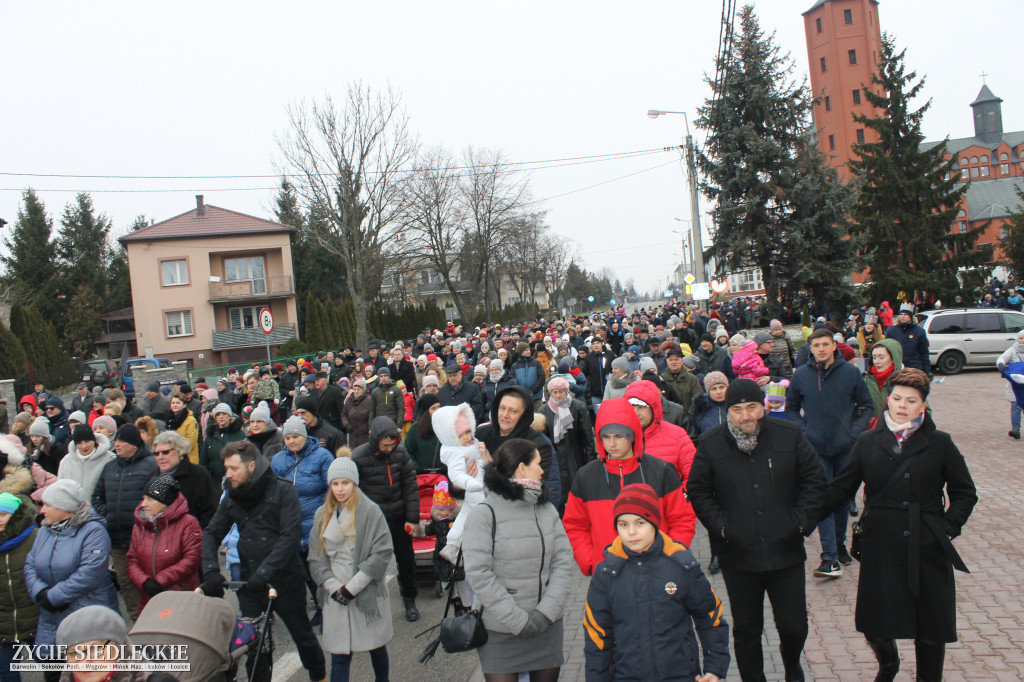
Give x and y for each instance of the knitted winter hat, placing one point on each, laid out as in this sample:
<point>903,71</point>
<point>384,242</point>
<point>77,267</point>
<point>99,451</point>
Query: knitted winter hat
<point>496,366</point>
<point>617,430</point>
<point>343,467</point>
<point>775,325</point>
<point>92,624</point>
<point>715,378</point>
<point>481,370</point>
<point>78,416</point>
<point>295,426</point>
<point>308,404</point>
<point>621,364</point>
<point>164,489</point>
<point>648,365</point>
<point>428,381</point>
<point>106,421</point>
<point>691,362</point>
<point>129,433</point>
<point>261,413</point>
<point>743,391</point>
<point>82,433</point>
<point>762,337</point>
<point>226,409</point>
<point>558,383</point>
<point>40,427</point>
<point>64,494</point>
<point>9,503</point>
<point>639,499</point>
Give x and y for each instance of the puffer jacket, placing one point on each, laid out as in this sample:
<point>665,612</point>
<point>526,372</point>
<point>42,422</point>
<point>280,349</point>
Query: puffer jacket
<point>270,442</point>
<point>638,628</point>
<point>665,441</point>
<point>527,566</point>
<point>387,401</point>
<point>836,404</point>
<point>307,471</point>
<point>707,414</point>
<point>119,490</point>
<point>168,548</point>
<point>86,469</point>
<point>529,373</point>
<point>747,364</point>
<point>72,563</point>
<point>588,517</point>
<point>915,345</point>
<point>215,440</point>
<point>19,614</point>
<point>389,480</point>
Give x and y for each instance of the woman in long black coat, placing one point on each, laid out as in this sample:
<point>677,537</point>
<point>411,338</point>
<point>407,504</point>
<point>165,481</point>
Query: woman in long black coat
<point>573,438</point>
<point>906,588</point>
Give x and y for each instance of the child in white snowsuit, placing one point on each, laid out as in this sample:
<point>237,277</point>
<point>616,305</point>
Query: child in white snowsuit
<point>454,428</point>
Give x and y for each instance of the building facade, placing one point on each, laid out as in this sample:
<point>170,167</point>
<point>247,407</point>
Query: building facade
<point>199,281</point>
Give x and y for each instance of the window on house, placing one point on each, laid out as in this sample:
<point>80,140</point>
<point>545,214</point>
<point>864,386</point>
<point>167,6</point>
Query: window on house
<point>975,172</point>
<point>817,22</point>
<point>178,323</point>
<point>832,142</point>
<point>984,171</point>
<point>984,158</point>
<point>974,159</point>
<point>247,270</point>
<point>848,16</point>
<point>174,273</point>
<point>965,173</point>
<point>856,96</point>
<point>1004,168</point>
<point>963,227</point>
<point>246,317</point>
<point>828,103</point>
<point>1004,232</point>
<point>860,136</point>
<point>853,56</point>
<point>1004,157</point>
<point>961,213</point>
<point>823,67</point>
<point>963,161</point>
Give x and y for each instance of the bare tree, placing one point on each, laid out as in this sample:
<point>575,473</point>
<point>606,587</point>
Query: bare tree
<point>350,164</point>
<point>558,252</point>
<point>493,198</point>
<point>523,254</point>
<point>436,220</point>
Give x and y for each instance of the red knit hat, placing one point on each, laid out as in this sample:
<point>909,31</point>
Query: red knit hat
<point>639,499</point>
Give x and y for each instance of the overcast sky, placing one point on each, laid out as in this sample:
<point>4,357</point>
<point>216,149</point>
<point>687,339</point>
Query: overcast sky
<point>201,88</point>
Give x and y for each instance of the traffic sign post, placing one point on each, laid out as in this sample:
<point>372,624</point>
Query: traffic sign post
<point>267,325</point>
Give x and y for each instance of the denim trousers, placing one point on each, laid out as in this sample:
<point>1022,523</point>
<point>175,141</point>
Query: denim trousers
<point>832,529</point>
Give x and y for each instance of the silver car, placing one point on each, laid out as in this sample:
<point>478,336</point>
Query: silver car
<point>970,337</point>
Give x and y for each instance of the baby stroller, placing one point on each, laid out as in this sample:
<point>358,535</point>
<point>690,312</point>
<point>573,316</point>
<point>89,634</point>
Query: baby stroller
<point>216,640</point>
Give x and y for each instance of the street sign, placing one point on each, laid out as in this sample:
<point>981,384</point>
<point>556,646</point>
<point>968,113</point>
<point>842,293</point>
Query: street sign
<point>720,286</point>
<point>701,292</point>
<point>451,313</point>
<point>572,302</point>
<point>689,289</point>
<point>266,320</point>
<point>689,279</point>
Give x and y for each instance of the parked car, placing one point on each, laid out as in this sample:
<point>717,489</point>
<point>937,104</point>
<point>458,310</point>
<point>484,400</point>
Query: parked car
<point>969,337</point>
<point>137,367</point>
<point>102,373</point>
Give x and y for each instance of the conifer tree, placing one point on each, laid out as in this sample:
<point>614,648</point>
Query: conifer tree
<point>1013,243</point>
<point>313,332</point>
<point>756,121</point>
<point>29,258</point>
<point>13,359</point>
<point>909,195</point>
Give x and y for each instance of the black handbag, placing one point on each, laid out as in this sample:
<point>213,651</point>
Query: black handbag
<point>857,528</point>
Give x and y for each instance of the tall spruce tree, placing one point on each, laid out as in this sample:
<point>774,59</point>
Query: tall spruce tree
<point>756,120</point>
<point>909,196</point>
<point>46,361</point>
<point>1013,242</point>
<point>83,247</point>
<point>13,359</point>
<point>29,261</point>
<point>119,285</point>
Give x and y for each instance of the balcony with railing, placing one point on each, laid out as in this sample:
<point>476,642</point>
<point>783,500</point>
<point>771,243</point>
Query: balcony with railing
<point>224,339</point>
<point>261,288</point>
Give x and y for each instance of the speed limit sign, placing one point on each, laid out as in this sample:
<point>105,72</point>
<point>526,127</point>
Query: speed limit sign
<point>266,320</point>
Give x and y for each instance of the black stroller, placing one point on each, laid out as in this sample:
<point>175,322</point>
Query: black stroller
<point>208,627</point>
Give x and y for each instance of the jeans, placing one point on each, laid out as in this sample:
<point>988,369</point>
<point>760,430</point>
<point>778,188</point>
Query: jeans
<point>1015,416</point>
<point>785,588</point>
<point>290,606</point>
<point>6,658</point>
<point>405,558</point>
<point>832,529</point>
<point>378,659</point>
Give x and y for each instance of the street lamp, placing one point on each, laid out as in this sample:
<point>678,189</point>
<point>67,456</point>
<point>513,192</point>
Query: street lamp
<point>697,245</point>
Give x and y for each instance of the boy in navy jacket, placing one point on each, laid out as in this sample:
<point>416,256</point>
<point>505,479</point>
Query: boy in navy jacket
<point>644,601</point>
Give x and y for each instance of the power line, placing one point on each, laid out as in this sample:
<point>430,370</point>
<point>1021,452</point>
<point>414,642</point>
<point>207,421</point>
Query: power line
<point>566,161</point>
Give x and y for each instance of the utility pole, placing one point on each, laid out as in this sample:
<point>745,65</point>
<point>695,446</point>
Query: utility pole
<point>697,247</point>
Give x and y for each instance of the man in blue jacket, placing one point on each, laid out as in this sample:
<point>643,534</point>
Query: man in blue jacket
<point>836,407</point>
<point>528,373</point>
<point>913,339</point>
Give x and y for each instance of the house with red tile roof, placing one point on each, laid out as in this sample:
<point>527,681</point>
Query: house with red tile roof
<point>200,279</point>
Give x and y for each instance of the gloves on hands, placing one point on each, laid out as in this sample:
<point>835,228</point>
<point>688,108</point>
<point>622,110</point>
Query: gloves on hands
<point>257,583</point>
<point>213,584</point>
<point>537,624</point>
<point>152,587</point>
<point>44,601</point>
<point>343,596</point>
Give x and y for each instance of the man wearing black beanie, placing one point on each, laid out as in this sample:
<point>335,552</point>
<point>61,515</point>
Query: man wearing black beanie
<point>757,485</point>
<point>330,438</point>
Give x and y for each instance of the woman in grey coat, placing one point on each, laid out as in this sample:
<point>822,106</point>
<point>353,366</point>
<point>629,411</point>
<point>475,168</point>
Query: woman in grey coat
<point>519,563</point>
<point>349,551</point>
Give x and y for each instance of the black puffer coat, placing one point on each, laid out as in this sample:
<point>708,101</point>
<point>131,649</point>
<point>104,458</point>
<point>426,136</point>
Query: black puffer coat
<point>119,491</point>
<point>389,480</point>
<point>19,614</point>
<point>198,488</point>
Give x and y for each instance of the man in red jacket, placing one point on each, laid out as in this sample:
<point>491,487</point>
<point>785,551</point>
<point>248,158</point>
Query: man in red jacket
<point>588,518</point>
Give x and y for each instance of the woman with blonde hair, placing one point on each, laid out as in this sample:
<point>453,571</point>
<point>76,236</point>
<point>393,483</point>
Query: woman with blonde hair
<point>184,422</point>
<point>349,551</point>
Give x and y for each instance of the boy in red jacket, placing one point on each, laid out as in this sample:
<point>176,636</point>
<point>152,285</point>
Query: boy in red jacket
<point>588,518</point>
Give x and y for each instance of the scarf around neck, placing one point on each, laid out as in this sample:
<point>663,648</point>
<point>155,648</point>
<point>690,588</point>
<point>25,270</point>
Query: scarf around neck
<point>563,417</point>
<point>903,431</point>
<point>880,377</point>
<point>745,441</point>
